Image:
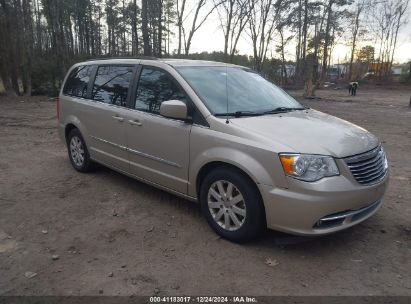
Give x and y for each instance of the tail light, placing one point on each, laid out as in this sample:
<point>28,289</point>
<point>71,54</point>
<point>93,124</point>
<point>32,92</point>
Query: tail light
<point>58,107</point>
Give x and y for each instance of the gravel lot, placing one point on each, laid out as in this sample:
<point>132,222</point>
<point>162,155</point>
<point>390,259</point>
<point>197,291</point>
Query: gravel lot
<point>65,233</point>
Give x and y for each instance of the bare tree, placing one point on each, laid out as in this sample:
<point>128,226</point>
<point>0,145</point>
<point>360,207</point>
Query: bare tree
<point>327,37</point>
<point>333,14</point>
<point>134,24</point>
<point>262,21</point>
<point>303,15</point>
<point>400,11</point>
<point>284,22</point>
<point>144,27</point>
<point>360,8</point>
<point>8,67</point>
<point>388,17</point>
<point>28,46</point>
<point>181,5</point>
<point>40,39</point>
<point>281,49</point>
<point>197,22</point>
<point>234,15</point>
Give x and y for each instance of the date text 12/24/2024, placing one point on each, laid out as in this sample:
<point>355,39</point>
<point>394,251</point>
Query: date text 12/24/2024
<point>202,299</point>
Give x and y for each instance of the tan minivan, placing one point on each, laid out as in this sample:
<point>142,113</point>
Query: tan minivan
<point>222,135</point>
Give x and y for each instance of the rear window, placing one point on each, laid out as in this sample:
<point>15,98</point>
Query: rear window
<point>77,82</point>
<point>111,84</point>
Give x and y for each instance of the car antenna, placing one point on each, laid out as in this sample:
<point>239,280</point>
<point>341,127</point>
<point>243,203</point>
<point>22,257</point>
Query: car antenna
<point>226,92</point>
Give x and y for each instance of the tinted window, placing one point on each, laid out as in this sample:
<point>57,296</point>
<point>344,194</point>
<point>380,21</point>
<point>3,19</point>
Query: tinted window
<point>156,86</point>
<point>77,82</point>
<point>111,84</point>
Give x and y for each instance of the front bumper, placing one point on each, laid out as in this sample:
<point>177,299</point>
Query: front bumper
<point>321,207</point>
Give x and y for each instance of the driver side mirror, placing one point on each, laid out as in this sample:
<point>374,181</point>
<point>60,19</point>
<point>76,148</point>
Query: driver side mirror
<point>174,109</point>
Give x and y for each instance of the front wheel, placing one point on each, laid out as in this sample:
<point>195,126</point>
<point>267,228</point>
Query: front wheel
<point>232,205</point>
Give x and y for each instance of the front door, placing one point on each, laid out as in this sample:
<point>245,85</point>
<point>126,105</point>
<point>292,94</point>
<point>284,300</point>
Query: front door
<point>158,147</point>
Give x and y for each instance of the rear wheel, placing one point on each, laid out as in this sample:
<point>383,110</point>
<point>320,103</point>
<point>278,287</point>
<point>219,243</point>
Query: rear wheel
<point>78,153</point>
<point>232,205</point>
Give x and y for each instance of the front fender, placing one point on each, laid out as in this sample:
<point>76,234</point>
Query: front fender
<point>262,166</point>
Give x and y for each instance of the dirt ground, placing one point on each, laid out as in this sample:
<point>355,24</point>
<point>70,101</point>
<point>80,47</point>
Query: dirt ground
<point>65,233</point>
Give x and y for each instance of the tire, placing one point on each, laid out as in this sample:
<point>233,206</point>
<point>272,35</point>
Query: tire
<point>244,202</point>
<point>78,152</point>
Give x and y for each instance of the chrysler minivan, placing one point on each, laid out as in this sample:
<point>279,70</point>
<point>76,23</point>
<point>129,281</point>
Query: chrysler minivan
<point>224,136</point>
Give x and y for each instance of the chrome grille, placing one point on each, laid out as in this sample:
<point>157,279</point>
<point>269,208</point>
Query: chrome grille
<point>368,168</point>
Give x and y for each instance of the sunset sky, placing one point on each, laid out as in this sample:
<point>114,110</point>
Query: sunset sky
<point>210,38</point>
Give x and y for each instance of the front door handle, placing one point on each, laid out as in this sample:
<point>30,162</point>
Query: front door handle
<point>135,122</point>
<point>118,118</point>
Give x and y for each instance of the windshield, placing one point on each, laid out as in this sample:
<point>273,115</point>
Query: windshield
<point>248,92</point>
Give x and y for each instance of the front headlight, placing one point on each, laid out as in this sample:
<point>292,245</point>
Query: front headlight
<point>308,167</point>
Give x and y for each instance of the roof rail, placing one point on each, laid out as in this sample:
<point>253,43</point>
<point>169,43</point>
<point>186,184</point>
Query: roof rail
<point>124,57</point>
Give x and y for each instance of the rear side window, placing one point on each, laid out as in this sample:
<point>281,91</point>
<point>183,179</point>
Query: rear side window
<point>77,82</point>
<point>154,87</point>
<point>111,84</point>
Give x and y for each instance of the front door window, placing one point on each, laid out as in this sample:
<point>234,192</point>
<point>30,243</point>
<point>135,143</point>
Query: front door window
<point>156,86</point>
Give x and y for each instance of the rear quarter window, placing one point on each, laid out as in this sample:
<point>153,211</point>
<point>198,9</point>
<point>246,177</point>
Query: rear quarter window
<point>77,82</point>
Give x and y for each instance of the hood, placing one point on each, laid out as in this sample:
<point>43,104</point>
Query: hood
<point>311,132</point>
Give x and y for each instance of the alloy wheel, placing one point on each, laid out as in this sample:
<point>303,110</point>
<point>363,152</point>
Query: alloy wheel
<point>77,151</point>
<point>226,205</point>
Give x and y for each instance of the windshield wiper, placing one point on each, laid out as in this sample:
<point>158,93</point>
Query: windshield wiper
<point>282,110</point>
<point>253,113</point>
<point>240,114</point>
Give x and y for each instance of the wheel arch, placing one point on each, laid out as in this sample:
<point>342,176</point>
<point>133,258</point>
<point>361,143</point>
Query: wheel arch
<point>249,164</point>
<point>210,166</point>
<point>67,130</point>
<point>72,122</point>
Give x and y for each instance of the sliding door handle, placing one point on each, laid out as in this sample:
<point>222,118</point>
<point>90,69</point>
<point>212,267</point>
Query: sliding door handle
<point>118,118</point>
<point>135,122</point>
